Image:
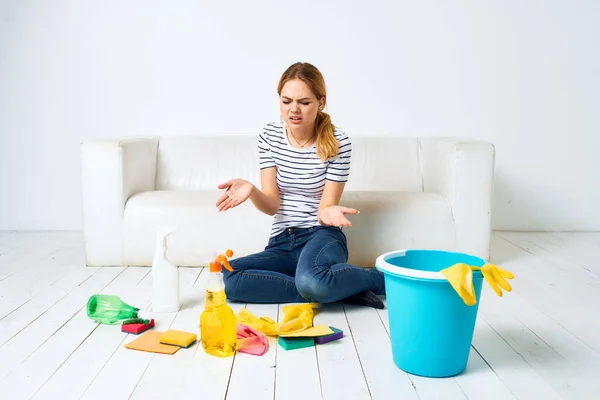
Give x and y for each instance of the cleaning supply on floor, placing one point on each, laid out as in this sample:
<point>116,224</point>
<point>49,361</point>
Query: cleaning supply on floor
<point>177,338</point>
<point>296,318</point>
<point>431,328</point>
<point>263,324</point>
<point>137,328</point>
<point>218,327</point>
<point>165,276</point>
<point>336,335</point>
<point>251,341</point>
<point>110,309</point>
<point>318,330</point>
<point>295,343</point>
<point>149,342</point>
<point>460,277</point>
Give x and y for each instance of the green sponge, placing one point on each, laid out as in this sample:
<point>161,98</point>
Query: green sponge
<point>296,342</point>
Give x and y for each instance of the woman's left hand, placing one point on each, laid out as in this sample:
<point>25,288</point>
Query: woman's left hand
<point>336,216</point>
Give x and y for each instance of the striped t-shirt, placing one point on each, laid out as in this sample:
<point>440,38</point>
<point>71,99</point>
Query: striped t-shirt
<point>301,175</point>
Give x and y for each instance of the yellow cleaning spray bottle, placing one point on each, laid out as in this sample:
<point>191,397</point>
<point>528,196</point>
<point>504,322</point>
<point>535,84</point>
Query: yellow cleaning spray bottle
<point>218,326</point>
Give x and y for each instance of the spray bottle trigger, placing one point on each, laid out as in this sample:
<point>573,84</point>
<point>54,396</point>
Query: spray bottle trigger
<point>222,259</point>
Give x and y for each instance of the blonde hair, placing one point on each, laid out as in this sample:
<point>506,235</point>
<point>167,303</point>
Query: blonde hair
<point>327,144</point>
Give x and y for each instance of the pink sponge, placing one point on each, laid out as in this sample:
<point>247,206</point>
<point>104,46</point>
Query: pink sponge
<point>137,328</point>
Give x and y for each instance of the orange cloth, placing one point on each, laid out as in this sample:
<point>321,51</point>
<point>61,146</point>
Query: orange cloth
<point>149,341</point>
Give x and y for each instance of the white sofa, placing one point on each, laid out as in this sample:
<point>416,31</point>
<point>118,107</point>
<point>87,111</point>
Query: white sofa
<point>431,193</point>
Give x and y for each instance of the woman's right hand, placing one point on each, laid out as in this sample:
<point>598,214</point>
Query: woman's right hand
<point>237,191</point>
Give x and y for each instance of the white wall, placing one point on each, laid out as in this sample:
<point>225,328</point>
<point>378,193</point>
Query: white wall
<point>522,74</point>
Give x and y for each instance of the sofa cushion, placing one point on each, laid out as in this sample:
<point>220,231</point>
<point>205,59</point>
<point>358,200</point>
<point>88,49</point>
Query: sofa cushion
<point>387,221</point>
<point>202,229</point>
<point>385,163</point>
<point>202,162</point>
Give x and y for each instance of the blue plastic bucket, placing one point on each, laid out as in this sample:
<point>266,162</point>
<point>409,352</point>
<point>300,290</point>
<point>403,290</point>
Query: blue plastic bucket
<point>431,328</point>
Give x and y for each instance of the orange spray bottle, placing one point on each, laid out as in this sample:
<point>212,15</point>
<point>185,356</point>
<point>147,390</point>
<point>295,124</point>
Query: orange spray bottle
<point>218,326</point>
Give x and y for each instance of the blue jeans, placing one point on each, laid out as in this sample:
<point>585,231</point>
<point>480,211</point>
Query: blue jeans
<point>300,265</point>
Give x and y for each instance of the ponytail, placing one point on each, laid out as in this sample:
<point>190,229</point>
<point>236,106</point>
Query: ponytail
<point>327,144</point>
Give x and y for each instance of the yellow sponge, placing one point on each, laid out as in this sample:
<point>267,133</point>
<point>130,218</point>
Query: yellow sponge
<point>177,338</point>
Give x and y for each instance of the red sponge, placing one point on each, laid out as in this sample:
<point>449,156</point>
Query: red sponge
<point>137,328</point>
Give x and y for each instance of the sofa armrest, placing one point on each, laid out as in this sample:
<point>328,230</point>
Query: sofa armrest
<point>111,172</point>
<point>462,170</point>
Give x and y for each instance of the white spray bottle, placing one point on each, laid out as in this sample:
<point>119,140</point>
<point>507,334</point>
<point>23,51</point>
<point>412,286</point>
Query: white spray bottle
<point>165,275</point>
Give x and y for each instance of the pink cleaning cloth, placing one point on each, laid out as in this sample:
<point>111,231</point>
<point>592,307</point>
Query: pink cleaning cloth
<point>251,341</point>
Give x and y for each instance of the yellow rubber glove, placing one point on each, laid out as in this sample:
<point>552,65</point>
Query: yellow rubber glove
<point>296,318</point>
<point>495,277</point>
<point>263,324</point>
<point>460,277</point>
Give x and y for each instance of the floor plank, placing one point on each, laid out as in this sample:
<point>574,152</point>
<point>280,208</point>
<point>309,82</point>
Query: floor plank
<point>91,355</point>
<point>522,379</point>
<point>205,371</point>
<point>584,252</point>
<point>479,380</point>
<point>339,361</point>
<point>592,238</point>
<point>64,344</point>
<point>544,339</point>
<point>551,295</point>
<point>19,288</point>
<point>13,323</point>
<point>569,381</point>
<point>438,388</point>
<point>560,268</point>
<point>548,329</point>
<point>164,376</point>
<point>123,370</point>
<point>20,347</point>
<point>371,339</point>
<point>540,340</point>
<point>14,239</point>
<point>255,374</point>
<point>37,247</point>
<point>579,252</point>
<point>293,366</point>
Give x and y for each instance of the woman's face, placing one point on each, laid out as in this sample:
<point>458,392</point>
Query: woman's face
<point>299,105</point>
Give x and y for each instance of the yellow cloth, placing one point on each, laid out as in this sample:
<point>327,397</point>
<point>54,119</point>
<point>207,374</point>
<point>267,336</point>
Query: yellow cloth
<point>319,330</point>
<point>460,277</point>
<point>296,318</point>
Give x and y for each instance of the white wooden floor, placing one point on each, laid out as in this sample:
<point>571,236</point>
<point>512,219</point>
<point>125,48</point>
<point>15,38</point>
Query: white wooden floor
<point>541,341</point>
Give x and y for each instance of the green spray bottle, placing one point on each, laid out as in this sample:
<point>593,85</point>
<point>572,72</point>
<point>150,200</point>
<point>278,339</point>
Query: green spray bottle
<point>111,310</point>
